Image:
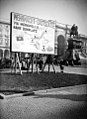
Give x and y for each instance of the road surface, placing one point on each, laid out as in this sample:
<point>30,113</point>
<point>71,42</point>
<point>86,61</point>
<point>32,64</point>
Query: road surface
<point>62,103</point>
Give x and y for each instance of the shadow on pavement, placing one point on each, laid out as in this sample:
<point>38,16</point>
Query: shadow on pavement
<point>73,97</point>
<point>75,113</point>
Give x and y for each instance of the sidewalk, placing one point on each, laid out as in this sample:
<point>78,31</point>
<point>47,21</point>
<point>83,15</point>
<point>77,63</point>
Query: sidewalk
<point>77,89</point>
<point>70,90</point>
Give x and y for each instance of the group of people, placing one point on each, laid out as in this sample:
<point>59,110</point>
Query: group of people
<point>39,62</point>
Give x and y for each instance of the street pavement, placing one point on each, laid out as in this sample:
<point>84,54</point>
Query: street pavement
<point>58,103</point>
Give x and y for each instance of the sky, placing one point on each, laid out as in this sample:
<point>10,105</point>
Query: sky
<point>63,11</point>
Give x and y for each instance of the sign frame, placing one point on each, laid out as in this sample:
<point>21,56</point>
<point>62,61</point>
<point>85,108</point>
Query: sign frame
<point>37,28</point>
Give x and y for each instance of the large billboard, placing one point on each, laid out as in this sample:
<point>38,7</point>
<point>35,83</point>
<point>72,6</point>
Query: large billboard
<point>32,35</point>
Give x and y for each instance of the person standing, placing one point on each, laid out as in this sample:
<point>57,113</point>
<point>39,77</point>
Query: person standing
<point>49,61</point>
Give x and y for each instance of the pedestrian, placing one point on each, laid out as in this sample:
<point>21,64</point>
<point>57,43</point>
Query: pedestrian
<point>61,66</point>
<point>12,64</point>
<point>77,57</point>
<point>39,63</point>
<point>49,61</point>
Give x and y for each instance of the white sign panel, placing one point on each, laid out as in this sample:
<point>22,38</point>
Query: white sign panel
<point>32,35</point>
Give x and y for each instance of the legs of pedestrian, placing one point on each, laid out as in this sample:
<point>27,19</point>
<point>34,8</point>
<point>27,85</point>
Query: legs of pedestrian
<point>53,68</point>
<point>37,68</point>
<point>48,67</point>
<point>44,65</point>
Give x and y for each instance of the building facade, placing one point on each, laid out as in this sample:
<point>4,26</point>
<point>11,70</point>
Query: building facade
<point>4,40</point>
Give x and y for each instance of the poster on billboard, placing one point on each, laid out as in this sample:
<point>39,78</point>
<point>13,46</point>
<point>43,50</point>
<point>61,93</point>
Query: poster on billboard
<point>4,35</point>
<point>32,35</point>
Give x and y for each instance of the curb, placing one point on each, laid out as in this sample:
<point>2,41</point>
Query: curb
<point>28,93</point>
<point>60,89</point>
<point>13,91</point>
<point>66,88</point>
<point>2,96</point>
